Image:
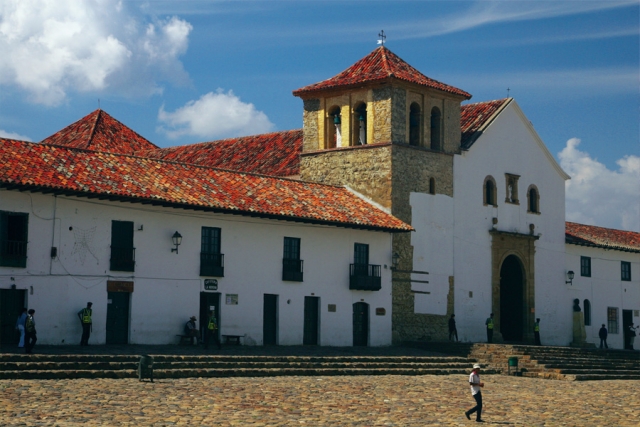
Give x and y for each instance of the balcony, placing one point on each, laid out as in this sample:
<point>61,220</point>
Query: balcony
<point>13,253</point>
<point>365,277</point>
<point>123,258</point>
<point>292,270</point>
<point>211,264</point>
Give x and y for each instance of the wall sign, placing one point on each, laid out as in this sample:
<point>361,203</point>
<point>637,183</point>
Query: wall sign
<point>332,308</point>
<point>119,286</point>
<point>380,311</point>
<point>231,299</point>
<point>210,284</point>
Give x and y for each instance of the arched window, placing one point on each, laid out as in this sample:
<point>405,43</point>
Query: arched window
<point>489,196</point>
<point>334,133</point>
<point>432,186</point>
<point>435,129</point>
<point>587,312</point>
<point>360,124</point>
<point>533,200</point>
<point>415,124</point>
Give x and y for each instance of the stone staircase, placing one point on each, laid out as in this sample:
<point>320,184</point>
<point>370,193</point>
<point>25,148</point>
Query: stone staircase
<point>39,366</point>
<point>563,363</point>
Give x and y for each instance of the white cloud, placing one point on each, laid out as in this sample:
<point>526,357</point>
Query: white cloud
<point>13,135</point>
<point>213,116</point>
<point>52,47</point>
<point>598,196</point>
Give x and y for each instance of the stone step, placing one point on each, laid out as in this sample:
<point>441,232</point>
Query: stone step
<point>257,372</point>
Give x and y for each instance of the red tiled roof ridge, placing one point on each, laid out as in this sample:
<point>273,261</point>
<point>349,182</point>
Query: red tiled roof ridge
<point>378,65</point>
<point>593,235</point>
<point>216,141</point>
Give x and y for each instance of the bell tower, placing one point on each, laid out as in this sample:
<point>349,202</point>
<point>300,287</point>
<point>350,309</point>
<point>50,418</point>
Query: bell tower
<point>386,130</point>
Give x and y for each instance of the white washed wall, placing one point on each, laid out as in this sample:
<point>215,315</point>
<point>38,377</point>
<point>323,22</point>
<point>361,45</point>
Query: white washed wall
<point>604,288</point>
<point>167,285</point>
<point>508,145</point>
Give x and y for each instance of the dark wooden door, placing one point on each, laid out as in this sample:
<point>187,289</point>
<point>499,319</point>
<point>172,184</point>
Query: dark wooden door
<point>511,299</point>
<point>11,303</point>
<point>627,318</point>
<point>118,317</point>
<point>208,301</point>
<point>310,336</point>
<point>270,319</point>
<point>360,324</point>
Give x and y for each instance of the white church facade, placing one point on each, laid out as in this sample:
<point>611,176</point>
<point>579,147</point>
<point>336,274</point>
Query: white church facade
<point>395,206</point>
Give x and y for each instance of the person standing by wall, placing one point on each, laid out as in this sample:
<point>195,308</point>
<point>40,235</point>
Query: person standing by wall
<point>191,330</point>
<point>453,331</point>
<point>20,324</point>
<point>489,324</point>
<point>212,331</point>
<point>474,382</point>
<point>536,331</point>
<point>602,333</point>
<point>30,332</point>
<point>85,320</point>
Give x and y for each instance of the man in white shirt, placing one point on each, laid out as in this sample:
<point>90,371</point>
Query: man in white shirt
<point>474,382</point>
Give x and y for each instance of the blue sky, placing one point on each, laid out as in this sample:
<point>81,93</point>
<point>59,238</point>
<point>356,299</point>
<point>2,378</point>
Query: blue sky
<point>186,71</point>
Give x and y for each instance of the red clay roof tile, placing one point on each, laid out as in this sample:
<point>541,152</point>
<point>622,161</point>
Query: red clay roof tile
<point>100,132</point>
<point>608,238</point>
<point>276,154</point>
<point>38,167</point>
<point>474,118</point>
<point>379,65</point>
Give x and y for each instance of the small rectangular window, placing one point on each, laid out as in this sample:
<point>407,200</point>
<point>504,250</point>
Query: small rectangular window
<point>625,271</point>
<point>123,254</point>
<point>361,253</point>
<point>585,266</point>
<point>612,319</point>
<point>211,258</point>
<point>13,239</point>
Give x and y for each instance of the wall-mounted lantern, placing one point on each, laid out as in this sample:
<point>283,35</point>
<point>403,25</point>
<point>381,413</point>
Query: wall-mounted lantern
<point>177,241</point>
<point>570,276</point>
<point>395,260</point>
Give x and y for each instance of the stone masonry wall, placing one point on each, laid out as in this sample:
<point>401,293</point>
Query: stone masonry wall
<point>382,112</point>
<point>412,168</point>
<point>310,136</point>
<point>366,169</point>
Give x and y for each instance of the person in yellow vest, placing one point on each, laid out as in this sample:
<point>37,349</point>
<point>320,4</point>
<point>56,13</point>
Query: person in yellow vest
<point>489,324</point>
<point>536,331</point>
<point>85,320</point>
<point>211,331</point>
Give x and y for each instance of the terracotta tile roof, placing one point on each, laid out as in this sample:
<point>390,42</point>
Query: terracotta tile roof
<point>379,65</point>
<point>71,171</point>
<point>100,132</point>
<point>275,153</point>
<point>474,118</point>
<point>600,237</point>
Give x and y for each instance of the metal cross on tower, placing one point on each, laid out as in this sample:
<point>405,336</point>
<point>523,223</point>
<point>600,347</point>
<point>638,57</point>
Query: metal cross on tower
<point>382,37</point>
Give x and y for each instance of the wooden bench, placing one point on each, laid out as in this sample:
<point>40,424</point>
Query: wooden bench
<point>184,339</point>
<point>232,338</point>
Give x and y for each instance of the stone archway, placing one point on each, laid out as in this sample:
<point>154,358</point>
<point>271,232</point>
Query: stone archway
<point>512,315</point>
<point>513,254</point>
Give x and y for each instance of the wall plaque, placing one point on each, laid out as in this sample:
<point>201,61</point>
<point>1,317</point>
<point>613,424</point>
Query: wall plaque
<point>380,311</point>
<point>210,284</point>
<point>119,286</point>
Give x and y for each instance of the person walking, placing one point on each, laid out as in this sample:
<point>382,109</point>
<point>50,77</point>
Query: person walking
<point>190,330</point>
<point>20,324</point>
<point>536,331</point>
<point>85,320</point>
<point>476,385</point>
<point>30,332</point>
<point>489,324</point>
<point>453,331</point>
<point>212,331</point>
<point>602,333</point>
<point>632,336</point>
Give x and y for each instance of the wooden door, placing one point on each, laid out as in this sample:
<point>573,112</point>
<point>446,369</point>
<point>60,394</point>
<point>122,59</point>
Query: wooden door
<point>270,319</point>
<point>310,334</point>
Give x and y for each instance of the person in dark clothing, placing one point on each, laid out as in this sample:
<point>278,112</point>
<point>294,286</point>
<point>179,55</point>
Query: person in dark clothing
<point>30,332</point>
<point>536,331</point>
<point>603,336</point>
<point>191,330</point>
<point>489,324</point>
<point>85,320</point>
<point>211,333</point>
<point>452,328</point>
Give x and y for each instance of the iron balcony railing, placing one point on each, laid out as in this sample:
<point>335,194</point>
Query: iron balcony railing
<point>13,253</point>
<point>292,270</point>
<point>365,277</point>
<point>123,258</point>
<point>211,264</point>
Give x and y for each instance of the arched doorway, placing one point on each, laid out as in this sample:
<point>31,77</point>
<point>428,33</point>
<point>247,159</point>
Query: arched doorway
<point>511,299</point>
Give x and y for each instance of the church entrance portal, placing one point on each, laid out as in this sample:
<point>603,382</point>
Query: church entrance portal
<point>511,299</point>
